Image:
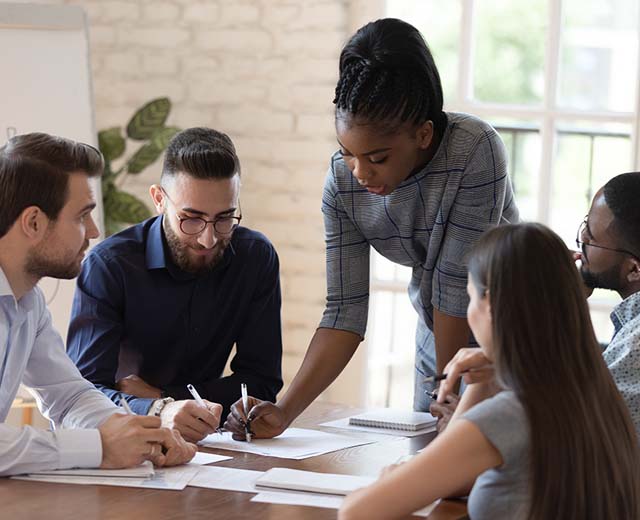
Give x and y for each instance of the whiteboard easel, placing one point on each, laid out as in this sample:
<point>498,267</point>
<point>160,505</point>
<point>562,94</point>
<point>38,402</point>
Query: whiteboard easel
<point>46,87</point>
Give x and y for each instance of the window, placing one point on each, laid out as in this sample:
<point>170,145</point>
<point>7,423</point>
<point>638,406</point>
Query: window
<point>558,79</point>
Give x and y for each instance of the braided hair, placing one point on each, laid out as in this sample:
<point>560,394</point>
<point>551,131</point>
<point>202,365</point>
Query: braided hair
<point>388,76</point>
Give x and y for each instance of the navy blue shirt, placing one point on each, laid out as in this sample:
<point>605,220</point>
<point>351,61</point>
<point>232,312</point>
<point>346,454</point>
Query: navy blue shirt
<point>135,312</point>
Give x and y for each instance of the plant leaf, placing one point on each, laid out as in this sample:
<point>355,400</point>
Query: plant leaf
<point>111,143</point>
<point>111,227</point>
<point>146,155</point>
<point>149,118</point>
<point>120,206</point>
<point>162,136</point>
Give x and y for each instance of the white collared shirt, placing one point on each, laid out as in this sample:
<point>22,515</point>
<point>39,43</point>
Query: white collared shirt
<point>32,352</point>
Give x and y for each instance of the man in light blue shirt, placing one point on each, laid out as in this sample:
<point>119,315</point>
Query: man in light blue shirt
<point>609,239</point>
<point>45,226</point>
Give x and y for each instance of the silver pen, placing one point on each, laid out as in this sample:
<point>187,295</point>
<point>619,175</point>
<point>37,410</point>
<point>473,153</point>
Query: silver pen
<point>245,405</point>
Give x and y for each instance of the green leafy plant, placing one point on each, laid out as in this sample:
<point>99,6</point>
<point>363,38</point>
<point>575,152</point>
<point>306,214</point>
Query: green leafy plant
<point>146,125</point>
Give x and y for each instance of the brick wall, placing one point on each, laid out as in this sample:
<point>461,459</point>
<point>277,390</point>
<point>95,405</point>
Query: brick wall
<point>262,71</point>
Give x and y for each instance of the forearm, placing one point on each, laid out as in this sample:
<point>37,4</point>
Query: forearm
<point>451,333</point>
<point>329,352</point>
<point>27,449</point>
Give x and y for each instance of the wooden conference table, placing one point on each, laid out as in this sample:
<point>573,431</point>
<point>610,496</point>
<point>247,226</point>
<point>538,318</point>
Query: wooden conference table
<point>36,500</point>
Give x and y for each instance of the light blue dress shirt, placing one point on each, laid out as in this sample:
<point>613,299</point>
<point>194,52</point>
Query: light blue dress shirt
<point>33,353</point>
<point>623,354</point>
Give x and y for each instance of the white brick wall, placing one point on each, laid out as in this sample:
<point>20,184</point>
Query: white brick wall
<point>264,72</point>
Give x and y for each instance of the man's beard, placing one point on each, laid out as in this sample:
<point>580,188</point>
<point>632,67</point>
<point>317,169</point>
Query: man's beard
<point>41,263</point>
<point>609,279</point>
<point>180,253</point>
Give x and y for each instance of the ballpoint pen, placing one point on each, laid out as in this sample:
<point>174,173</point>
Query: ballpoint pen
<point>125,406</point>
<point>245,405</point>
<point>196,396</point>
<point>439,377</point>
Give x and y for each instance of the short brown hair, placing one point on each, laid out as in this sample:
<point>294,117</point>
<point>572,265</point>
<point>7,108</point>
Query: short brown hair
<point>34,171</point>
<point>202,153</point>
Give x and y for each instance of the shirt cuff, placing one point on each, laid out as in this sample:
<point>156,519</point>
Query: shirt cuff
<point>81,448</point>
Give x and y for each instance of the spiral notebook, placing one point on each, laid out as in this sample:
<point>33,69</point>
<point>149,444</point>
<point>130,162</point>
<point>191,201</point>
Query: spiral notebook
<point>390,419</point>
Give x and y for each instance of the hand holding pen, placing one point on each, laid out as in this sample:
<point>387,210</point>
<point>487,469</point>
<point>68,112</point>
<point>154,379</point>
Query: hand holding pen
<point>469,363</point>
<point>200,401</point>
<point>245,406</point>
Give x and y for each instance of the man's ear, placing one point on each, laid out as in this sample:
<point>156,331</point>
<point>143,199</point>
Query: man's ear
<point>33,223</point>
<point>633,274</point>
<point>424,134</point>
<point>158,198</point>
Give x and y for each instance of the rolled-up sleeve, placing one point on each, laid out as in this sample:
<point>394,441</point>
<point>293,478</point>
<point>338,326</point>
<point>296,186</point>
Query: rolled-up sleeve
<point>347,263</point>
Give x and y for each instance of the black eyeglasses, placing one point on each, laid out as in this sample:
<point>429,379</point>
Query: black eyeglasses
<point>581,244</point>
<point>196,225</point>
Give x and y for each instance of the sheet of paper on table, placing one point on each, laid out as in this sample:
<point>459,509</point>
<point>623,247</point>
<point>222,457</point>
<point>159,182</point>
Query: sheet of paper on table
<point>144,470</point>
<point>175,478</point>
<point>294,443</point>
<point>318,500</point>
<point>201,458</point>
<point>229,479</point>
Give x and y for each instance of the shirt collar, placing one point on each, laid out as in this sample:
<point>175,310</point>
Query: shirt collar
<point>155,252</point>
<point>625,311</point>
<point>6,294</point>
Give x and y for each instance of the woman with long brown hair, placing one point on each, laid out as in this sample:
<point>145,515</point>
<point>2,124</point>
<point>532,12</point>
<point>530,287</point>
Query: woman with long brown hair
<point>541,431</point>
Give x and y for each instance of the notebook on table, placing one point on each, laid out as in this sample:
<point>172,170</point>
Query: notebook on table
<point>390,419</point>
<point>298,480</point>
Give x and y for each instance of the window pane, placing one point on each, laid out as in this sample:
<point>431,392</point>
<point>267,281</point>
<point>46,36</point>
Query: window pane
<point>598,60</point>
<point>391,350</point>
<point>522,140</point>
<point>509,54</point>
<point>385,270</point>
<point>439,23</point>
<point>586,157</point>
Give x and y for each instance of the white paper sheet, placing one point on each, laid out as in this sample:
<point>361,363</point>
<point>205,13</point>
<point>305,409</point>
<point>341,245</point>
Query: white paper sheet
<point>201,458</point>
<point>144,470</point>
<point>317,500</point>
<point>294,443</point>
<point>343,424</point>
<point>230,479</point>
<point>312,481</point>
<point>175,478</point>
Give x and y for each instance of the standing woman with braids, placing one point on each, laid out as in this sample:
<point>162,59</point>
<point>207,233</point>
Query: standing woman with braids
<point>415,183</point>
<point>541,431</point>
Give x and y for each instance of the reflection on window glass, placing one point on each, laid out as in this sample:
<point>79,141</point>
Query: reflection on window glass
<point>598,57</point>
<point>439,23</point>
<point>509,54</point>
<point>522,141</point>
<point>585,159</point>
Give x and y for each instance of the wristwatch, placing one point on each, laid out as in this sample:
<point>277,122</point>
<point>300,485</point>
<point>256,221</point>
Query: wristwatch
<point>158,405</point>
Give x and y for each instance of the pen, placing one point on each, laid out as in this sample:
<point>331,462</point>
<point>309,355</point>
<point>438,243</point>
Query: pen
<point>125,405</point>
<point>439,377</point>
<point>245,405</point>
<point>196,396</point>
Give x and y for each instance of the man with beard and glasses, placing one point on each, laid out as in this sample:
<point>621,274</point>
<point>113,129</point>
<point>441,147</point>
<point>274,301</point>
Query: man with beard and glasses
<point>609,240</point>
<point>161,304</point>
<point>45,227</point>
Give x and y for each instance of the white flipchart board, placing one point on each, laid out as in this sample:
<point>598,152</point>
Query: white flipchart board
<point>46,87</point>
